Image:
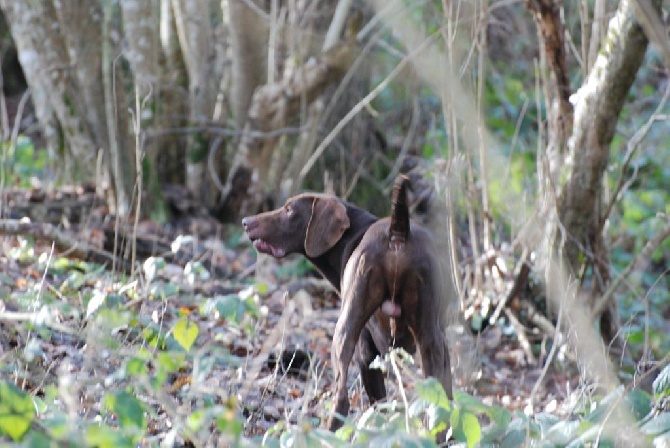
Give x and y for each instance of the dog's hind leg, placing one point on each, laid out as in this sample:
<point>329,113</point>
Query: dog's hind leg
<point>432,340</point>
<point>373,379</point>
<point>362,294</point>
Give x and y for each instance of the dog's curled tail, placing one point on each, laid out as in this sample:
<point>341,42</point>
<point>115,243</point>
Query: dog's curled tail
<point>399,228</point>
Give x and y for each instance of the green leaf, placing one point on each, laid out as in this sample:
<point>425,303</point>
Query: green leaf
<point>604,406</point>
<point>229,307</point>
<point>437,419</point>
<point>229,423</point>
<point>465,427</point>
<point>185,333</point>
<point>136,366</point>
<point>128,409</point>
<point>196,420</point>
<point>563,432</point>
<point>102,436</point>
<point>635,336</point>
<point>17,411</point>
<point>662,382</point>
<point>38,439</point>
<point>170,361</point>
<point>657,425</point>
<point>432,391</point>
<point>640,403</point>
<point>517,432</point>
<point>152,266</point>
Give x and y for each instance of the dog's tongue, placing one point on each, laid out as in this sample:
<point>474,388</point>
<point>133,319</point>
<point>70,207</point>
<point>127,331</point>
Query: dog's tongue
<point>267,248</point>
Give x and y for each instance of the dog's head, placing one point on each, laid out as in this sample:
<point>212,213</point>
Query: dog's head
<point>309,223</point>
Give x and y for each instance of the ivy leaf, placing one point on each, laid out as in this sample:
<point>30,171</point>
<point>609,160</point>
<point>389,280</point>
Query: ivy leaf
<point>662,382</point>
<point>466,427</point>
<point>432,391</point>
<point>128,409</point>
<point>185,333</point>
<point>17,411</point>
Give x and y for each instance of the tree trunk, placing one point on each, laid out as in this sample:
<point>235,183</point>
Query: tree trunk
<point>551,31</point>
<point>59,46</point>
<point>599,102</point>
<point>35,78</point>
<point>273,106</point>
<point>277,104</point>
<point>172,109</point>
<point>192,18</point>
<point>82,29</point>
<point>118,150</point>
<point>42,52</point>
<point>249,42</point>
<point>140,27</point>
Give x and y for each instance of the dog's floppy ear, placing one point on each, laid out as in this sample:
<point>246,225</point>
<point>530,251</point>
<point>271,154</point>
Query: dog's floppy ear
<point>326,226</point>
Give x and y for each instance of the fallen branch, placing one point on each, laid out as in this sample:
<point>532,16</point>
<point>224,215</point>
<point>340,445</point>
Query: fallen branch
<point>74,246</point>
<point>519,283</point>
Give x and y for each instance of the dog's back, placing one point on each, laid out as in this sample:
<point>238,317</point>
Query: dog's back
<point>406,254</point>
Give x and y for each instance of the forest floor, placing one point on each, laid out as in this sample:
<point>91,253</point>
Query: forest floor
<point>72,328</point>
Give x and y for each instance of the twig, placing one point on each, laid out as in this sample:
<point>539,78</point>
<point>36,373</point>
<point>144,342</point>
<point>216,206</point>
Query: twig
<point>407,142</point>
<point>255,8</point>
<point>483,184</point>
<point>275,338</point>
<point>14,136</point>
<point>139,158</point>
<point>539,320</point>
<point>521,334</point>
<point>638,263</point>
<point>224,132</point>
<point>653,27</point>
<point>337,24</point>
<point>631,147</point>
<point>4,117</point>
<point>396,371</point>
<point>358,107</point>
<point>552,353</point>
<point>520,282</point>
<point>598,29</point>
<point>80,249</point>
<point>34,317</point>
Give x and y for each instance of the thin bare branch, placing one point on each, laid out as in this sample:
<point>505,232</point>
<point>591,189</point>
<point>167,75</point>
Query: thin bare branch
<point>653,26</point>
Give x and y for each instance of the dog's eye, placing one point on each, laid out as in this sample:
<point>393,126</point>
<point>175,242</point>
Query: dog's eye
<point>288,209</point>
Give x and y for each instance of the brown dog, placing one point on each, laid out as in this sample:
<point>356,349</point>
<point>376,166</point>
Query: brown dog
<point>387,272</point>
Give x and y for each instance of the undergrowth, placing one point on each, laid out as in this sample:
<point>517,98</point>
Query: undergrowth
<point>83,365</point>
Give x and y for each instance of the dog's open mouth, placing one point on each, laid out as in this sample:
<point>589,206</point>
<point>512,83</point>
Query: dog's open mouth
<point>267,248</point>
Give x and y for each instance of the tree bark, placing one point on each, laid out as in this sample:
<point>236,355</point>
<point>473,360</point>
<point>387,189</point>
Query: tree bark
<point>192,18</point>
<point>40,86</point>
<point>550,27</point>
<point>42,52</point>
<point>249,42</point>
<point>59,45</point>
<point>140,27</point>
<point>599,102</point>
<point>143,51</point>
<point>172,109</point>
<point>118,149</point>
<point>272,107</point>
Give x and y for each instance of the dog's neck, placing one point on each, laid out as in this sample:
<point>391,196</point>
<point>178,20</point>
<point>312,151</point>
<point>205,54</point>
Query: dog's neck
<point>331,264</point>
